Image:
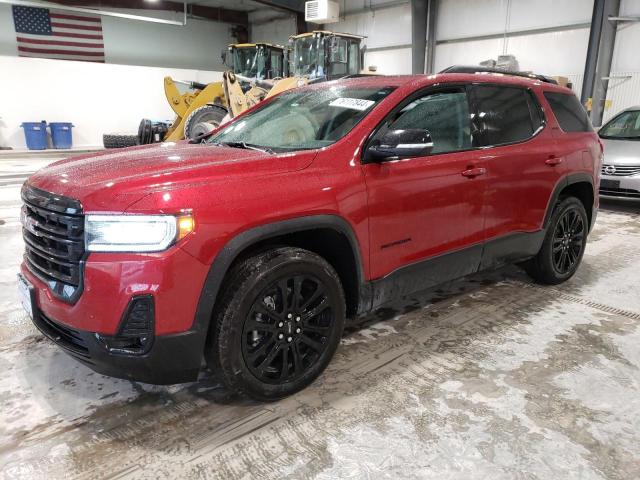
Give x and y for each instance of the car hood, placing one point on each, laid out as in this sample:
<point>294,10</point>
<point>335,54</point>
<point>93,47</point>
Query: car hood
<point>621,152</point>
<point>112,180</point>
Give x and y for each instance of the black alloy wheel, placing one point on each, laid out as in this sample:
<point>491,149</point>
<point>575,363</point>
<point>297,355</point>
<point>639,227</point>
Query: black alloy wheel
<point>277,324</point>
<point>288,328</point>
<point>563,245</point>
<point>568,240</point>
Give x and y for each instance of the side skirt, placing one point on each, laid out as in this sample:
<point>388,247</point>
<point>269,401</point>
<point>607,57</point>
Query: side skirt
<point>450,266</point>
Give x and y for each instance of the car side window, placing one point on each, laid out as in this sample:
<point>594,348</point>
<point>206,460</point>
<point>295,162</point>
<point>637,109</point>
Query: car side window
<point>503,114</point>
<point>444,114</point>
<point>569,112</point>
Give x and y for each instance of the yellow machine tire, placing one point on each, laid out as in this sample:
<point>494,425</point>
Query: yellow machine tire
<point>197,121</point>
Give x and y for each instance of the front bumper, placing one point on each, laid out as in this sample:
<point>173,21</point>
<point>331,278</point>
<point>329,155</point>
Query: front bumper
<point>171,359</point>
<point>174,279</point>
<point>619,186</point>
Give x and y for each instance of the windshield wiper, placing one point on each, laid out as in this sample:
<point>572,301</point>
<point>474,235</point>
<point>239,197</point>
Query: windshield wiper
<point>247,146</point>
<point>200,138</point>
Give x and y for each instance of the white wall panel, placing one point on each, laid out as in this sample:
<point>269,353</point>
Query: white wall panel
<point>8,44</point>
<point>390,62</point>
<point>623,91</point>
<point>626,54</point>
<point>576,82</point>
<point>547,53</point>
<point>528,14</point>
<point>629,7</point>
<point>97,98</point>
<point>464,18</point>
<point>383,28</point>
<point>466,53</point>
<point>265,28</point>
<point>197,45</point>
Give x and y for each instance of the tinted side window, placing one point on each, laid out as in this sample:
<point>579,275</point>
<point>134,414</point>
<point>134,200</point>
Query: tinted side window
<point>444,114</point>
<point>570,113</point>
<point>503,114</point>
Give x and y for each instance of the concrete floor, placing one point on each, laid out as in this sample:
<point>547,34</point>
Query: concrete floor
<point>490,377</point>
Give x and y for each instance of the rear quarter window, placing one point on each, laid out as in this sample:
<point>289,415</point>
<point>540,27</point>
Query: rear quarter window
<point>569,112</point>
<point>505,114</point>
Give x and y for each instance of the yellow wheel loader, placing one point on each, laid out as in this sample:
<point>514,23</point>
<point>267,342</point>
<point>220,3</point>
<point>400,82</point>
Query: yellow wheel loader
<point>203,107</point>
<point>315,56</point>
<point>200,107</point>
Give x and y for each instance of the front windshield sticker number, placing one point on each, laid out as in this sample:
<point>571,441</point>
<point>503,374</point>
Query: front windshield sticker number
<point>352,103</point>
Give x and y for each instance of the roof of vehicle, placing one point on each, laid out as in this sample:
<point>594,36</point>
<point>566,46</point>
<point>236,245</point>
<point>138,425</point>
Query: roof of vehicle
<point>481,69</point>
<point>418,81</point>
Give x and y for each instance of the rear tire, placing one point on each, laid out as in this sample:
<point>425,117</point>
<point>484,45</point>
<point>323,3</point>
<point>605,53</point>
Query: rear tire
<point>278,323</point>
<point>119,141</point>
<point>563,245</point>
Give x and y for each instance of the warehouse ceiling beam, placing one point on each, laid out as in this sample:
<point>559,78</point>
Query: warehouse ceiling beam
<point>216,14</point>
<point>293,6</point>
<point>104,13</point>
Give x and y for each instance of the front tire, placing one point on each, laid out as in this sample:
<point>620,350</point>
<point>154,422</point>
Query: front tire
<point>563,246</point>
<point>203,120</point>
<point>278,324</point>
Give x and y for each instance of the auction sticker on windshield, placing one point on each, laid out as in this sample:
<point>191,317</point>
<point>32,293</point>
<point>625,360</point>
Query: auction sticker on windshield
<point>352,103</point>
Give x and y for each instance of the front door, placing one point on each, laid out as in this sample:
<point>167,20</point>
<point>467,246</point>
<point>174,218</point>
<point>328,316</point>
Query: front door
<point>430,207</point>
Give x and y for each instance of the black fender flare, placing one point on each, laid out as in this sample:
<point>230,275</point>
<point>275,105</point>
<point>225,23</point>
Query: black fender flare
<point>579,177</point>
<point>245,239</point>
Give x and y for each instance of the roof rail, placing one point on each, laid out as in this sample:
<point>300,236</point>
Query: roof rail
<point>480,69</point>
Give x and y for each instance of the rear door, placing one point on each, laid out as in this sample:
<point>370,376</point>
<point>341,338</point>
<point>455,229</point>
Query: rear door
<point>523,162</point>
<point>424,207</point>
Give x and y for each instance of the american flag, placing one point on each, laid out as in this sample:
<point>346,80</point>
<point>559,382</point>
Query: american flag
<point>48,33</point>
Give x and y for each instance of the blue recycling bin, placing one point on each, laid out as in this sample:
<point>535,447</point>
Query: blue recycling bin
<point>61,136</point>
<point>35,134</point>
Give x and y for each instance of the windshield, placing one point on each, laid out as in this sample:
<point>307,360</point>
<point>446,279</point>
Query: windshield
<point>624,126</point>
<point>303,119</point>
<point>308,57</point>
<point>248,62</point>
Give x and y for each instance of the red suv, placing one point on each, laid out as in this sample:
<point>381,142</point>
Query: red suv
<point>252,247</point>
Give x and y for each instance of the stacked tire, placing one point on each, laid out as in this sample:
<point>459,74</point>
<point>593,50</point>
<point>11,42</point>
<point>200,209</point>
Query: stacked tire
<point>110,140</point>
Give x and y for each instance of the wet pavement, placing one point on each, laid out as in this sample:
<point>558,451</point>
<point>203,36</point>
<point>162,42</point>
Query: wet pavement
<point>492,376</point>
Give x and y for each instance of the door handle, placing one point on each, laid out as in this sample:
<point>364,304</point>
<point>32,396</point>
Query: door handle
<point>553,160</point>
<point>474,172</point>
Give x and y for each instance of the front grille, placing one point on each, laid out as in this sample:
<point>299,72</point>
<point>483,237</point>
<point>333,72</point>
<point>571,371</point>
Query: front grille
<point>53,233</point>
<point>620,170</point>
<point>620,192</point>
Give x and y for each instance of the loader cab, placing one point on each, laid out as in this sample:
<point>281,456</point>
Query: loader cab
<point>261,61</point>
<point>325,55</point>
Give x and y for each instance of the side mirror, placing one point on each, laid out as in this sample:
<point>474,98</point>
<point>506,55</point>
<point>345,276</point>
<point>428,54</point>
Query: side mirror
<point>395,144</point>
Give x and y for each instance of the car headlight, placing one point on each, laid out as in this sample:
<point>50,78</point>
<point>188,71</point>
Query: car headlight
<point>135,233</point>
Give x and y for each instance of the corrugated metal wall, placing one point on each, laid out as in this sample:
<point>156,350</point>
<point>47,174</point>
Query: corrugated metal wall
<point>623,91</point>
<point>462,24</point>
